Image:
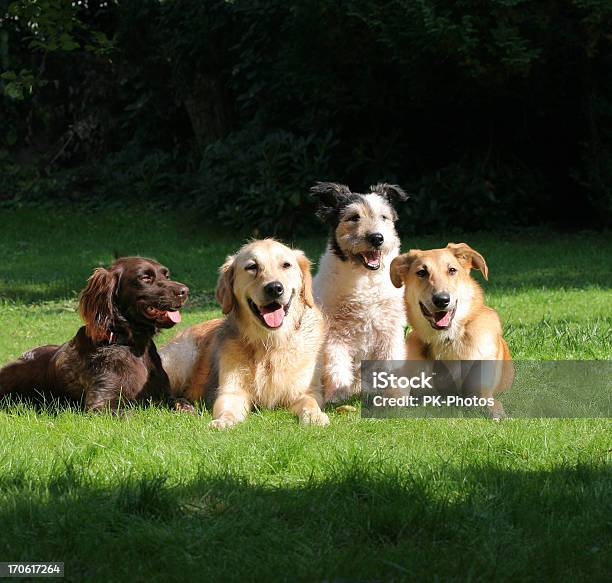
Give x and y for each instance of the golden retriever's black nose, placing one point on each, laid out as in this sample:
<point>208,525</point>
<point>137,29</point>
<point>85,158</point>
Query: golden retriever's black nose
<point>274,289</point>
<point>441,299</point>
<point>376,239</point>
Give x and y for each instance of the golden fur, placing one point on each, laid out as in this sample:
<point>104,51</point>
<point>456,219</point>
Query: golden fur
<point>474,331</point>
<point>238,362</point>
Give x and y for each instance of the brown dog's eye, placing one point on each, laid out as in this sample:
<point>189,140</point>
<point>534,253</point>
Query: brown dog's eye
<point>286,265</point>
<point>422,273</point>
<point>354,218</point>
<point>452,270</point>
<point>146,278</point>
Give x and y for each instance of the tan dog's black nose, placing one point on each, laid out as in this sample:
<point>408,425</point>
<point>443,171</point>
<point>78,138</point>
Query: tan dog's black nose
<point>441,299</point>
<point>376,239</point>
<point>274,289</point>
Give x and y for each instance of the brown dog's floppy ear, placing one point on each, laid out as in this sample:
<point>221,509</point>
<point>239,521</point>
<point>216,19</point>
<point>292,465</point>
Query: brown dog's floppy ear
<point>304,264</point>
<point>469,258</point>
<point>96,303</point>
<point>400,265</point>
<point>225,285</point>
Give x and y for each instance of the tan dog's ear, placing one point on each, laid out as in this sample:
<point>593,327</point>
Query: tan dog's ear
<point>96,303</point>
<point>469,258</point>
<point>400,265</point>
<point>225,285</point>
<point>304,264</point>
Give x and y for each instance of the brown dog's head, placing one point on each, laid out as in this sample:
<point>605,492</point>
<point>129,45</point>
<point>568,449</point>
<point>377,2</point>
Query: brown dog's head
<point>438,282</point>
<point>264,280</point>
<point>134,293</point>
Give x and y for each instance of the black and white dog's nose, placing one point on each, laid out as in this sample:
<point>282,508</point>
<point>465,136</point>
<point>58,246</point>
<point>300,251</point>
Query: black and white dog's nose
<point>274,289</point>
<point>376,239</point>
<point>441,299</point>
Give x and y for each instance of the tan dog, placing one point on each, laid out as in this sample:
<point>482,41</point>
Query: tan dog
<point>445,308</point>
<point>267,351</point>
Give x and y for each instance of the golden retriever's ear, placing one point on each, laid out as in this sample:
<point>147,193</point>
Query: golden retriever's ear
<point>400,265</point>
<point>96,303</point>
<point>469,258</point>
<point>304,264</point>
<point>225,285</point>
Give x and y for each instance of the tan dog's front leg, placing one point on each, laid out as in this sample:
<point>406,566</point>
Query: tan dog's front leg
<point>309,411</point>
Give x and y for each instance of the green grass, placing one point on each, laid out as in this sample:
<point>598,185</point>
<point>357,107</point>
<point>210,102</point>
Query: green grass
<point>157,496</point>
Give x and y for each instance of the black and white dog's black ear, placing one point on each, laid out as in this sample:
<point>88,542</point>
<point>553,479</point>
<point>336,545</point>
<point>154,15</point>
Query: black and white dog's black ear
<point>389,191</point>
<point>330,196</point>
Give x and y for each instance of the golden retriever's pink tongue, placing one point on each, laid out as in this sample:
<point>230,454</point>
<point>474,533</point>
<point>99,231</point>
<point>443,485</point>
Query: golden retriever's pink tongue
<point>443,318</point>
<point>273,317</point>
<point>173,316</point>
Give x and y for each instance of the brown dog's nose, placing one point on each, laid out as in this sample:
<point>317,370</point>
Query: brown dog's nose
<point>274,289</point>
<point>183,291</point>
<point>441,299</point>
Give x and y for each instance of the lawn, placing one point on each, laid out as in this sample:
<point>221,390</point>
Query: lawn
<point>157,496</point>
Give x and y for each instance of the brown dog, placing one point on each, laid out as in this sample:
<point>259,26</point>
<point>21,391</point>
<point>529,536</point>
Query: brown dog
<point>446,310</point>
<point>112,359</point>
<point>266,352</point>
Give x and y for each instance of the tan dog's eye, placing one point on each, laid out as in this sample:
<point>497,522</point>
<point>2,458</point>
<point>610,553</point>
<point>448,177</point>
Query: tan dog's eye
<point>421,273</point>
<point>452,270</point>
<point>353,218</point>
<point>286,265</point>
<point>385,218</point>
<point>252,267</point>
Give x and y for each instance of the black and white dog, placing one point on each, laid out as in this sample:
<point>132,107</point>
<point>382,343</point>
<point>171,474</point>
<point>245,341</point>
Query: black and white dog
<point>365,312</point>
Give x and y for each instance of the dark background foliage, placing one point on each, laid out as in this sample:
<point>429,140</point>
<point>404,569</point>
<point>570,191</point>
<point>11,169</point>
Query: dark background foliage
<point>487,113</point>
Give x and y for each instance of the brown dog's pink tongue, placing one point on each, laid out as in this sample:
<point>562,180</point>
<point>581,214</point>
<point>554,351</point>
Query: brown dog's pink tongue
<point>273,317</point>
<point>444,320</point>
<point>173,316</point>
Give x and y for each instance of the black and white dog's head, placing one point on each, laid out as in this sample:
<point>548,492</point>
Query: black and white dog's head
<point>362,225</point>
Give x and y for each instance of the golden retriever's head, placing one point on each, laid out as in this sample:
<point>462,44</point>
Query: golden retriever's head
<point>438,282</point>
<point>266,281</point>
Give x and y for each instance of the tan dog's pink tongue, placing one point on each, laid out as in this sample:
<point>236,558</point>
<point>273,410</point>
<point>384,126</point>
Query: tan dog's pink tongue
<point>173,316</point>
<point>444,320</point>
<point>273,317</point>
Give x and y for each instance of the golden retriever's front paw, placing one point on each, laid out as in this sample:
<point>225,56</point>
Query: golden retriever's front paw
<point>222,423</point>
<point>314,418</point>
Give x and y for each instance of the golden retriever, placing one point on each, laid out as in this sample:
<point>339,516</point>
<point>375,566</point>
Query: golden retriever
<point>446,310</point>
<point>266,352</point>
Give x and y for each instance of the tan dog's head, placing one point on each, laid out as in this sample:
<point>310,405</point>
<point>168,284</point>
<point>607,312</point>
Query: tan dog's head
<point>438,281</point>
<point>265,281</point>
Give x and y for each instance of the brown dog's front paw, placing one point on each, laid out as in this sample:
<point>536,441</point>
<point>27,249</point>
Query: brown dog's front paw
<point>183,406</point>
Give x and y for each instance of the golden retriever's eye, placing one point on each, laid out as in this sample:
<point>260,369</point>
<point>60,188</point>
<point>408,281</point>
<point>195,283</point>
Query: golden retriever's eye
<point>421,273</point>
<point>286,265</point>
<point>452,270</point>
<point>252,267</point>
<point>353,218</point>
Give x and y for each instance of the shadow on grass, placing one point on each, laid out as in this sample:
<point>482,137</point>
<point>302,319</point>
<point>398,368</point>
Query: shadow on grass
<point>477,523</point>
